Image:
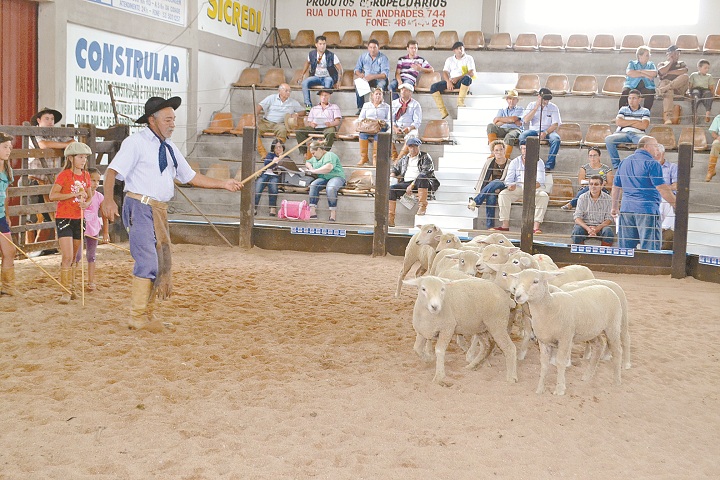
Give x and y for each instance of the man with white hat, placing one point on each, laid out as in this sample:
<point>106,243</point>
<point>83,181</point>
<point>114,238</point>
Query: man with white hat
<point>149,163</point>
<point>507,124</point>
<point>406,117</point>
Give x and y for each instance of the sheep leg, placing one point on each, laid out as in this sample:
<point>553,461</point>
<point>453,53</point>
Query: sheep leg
<point>613,340</point>
<point>563,357</point>
<point>482,354</point>
<point>420,347</point>
<point>526,335</point>
<point>625,343</point>
<point>440,347</point>
<point>473,351</point>
<point>407,264</point>
<point>462,343</point>
<point>544,364</point>
<point>421,270</point>
<point>502,338</point>
<point>598,347</point>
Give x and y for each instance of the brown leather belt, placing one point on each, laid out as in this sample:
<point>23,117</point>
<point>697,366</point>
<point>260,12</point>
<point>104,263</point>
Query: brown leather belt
<point>147,200</point>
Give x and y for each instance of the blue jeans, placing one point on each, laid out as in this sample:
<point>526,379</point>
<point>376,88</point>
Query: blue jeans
<point>554,141</point>
<point>612,141</point>
<point>489,195</point>
<point>441,86</point>
<point>271,182</point>
<point>138,220</point>
<point>332,186</point>
<point>579,234</point>
<point>380,83</point>
<point>326,82</point>
<point>639,227</point>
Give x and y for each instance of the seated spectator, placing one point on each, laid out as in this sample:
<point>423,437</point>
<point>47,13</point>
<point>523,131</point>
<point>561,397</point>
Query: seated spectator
<point>409,67</point>
<point>669,169</point>
<point>414,172</point>
<point>514,180</point>
<point>701,86</point>
<point>324,67</point>
<point>632,120</point>
<point>375,109</point>
<point>374,67</point>
<point>714,149</point>
<point>275,107</point>
<point>270,178</point>
<point>458,72</point>
<point>543,118</point>
<point>407,117</point>
<point>491,182</point>
<point>640,75</point>
<point>673,77</point>
<point>325,117</point>
<point>593,167</point>
<point>592,216</point>
<point>330,176</point>
<point>508,123</point>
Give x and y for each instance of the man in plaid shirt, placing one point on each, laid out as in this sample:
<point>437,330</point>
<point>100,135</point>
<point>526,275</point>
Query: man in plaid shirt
<point>592,216</point>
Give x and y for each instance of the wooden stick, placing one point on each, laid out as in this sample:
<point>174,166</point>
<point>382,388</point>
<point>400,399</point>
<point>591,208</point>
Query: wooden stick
<point>109,243</point>
<point>204,216</point>
<point>82,263</point>
<point>37,265</point>
<point>274,162</point>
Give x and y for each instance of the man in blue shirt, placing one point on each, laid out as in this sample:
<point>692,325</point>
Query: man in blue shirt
<point>507,124</point>
<point>632,120</point>
<point>543,119</point>
<point>640,184</point>
<point>374,67</point>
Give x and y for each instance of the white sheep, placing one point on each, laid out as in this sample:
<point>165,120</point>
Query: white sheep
<point>545,262</point>
<point>465,260</point>
<point>443,259</point>
<point>448,240</point>
<point>492,239</point>
<point>466,307</point>
<point>572,273</point>
<point>564,317</point>
<point>428,235</point>
<point>499,254</point>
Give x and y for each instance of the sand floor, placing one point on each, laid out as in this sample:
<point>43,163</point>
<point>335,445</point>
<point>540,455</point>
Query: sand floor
<point>286,365</point>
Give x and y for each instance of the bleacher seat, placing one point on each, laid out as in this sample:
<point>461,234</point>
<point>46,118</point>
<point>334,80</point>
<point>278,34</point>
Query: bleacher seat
<point>595,136</point>
<point>603,42</point>
<point>348,129</point>
<point>700,143</point>
<point>558,84</point>
<point>273,78</point>
<point>717,88</point>
<point>562,192</point>
<point>500,41</point>
<point>584,85</point>
<point>528,84</point>
<point>664,135</point>
<point>436,131</point>
<point>304,38</point>
<point>659,43</point>
<point>426,80</point>
<point>570,134</point>
<point>246,120</point>
<point>248,77</point>
<point>425,39</point>
<point>613,85</point>
<point>351,39</point>
<point>221,171</point>
<point>446,39</point>
<point>712,44</point>
<point>333,38</point>
<point>551,42</point>
<point>297,75</point>
<point>577,42</point>
<point>382,36</point>
<point>474,40</point>
<point>221,122</point>
<point>347,82</point>
<point>631,42</point>
<point>688,43</point>
<point>285,39</point>
<point>399,39</point>
<point>526,42</point>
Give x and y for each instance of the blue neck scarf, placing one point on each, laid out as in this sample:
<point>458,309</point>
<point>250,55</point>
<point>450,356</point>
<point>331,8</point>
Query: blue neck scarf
<point>162,155</point>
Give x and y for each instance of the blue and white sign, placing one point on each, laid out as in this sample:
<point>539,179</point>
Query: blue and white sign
<point>707,260</point>
<point>323,232</point>
<point>600,250</point>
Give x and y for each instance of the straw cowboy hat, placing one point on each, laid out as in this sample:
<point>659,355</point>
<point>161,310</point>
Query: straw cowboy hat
<point>155,104</point>
<point>56,115</point>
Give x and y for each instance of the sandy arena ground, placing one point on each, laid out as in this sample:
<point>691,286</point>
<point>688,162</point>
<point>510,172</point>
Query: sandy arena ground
<point>287,365</point>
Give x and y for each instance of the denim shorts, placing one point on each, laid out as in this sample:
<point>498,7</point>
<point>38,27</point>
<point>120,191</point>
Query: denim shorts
<point>4,225</point>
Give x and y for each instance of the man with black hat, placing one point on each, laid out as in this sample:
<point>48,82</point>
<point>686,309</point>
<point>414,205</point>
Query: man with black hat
<point>458,72</point>
<point>149,163</point>
<point>674,79</point>
<point>323,118</point>
<point>543,118</point>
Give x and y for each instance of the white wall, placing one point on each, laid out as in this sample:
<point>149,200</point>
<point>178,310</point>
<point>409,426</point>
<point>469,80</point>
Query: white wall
<point>214,89</point>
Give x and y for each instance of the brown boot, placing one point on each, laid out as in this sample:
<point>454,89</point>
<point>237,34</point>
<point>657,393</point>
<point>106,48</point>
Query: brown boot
<point>462,94</point>
<point>363,152</point>
<point>66,281</point>
<point>7,284</point>
<point>391,213</point>
<point>676,114</point>
<point>139,301</point>
<point>261,148</point>
<point>508,150</point>
<point>440,104</point>
<point>712,163</point>
<point>492,137</point>
<point>73,283</point>
<point>422,200</point>
<point>375,145</point>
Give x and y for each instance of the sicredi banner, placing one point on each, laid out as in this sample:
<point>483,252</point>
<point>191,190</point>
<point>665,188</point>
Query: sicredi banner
<point>136,69</point>
<point>234,19</point>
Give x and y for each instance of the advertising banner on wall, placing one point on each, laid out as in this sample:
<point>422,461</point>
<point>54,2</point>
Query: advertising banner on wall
<point>237,20</point>
<point>136,69</point>
<point>171,11</point>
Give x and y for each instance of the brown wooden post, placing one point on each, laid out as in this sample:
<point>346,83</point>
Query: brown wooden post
<point>532,155</point>
<point>682,201</point>
<point>247,168</point>
<point>382,195</point>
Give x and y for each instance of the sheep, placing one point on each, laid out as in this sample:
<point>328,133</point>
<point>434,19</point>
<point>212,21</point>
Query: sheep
<point>465,260</point>
<point>428,235</point>
<point>572,273</point>
<point>466,307</point>
<point>563,317</point>
<point>448,240</point>
<point>545,262</point>
<point>453,273</point>
<point>492,239</point>
<point>498,254</point>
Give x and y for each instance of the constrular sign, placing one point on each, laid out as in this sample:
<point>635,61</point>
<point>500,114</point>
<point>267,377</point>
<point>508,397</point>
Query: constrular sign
<point>232,19</point>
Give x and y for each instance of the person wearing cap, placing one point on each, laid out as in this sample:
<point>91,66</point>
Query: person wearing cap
<point>409,67</point>
<point>407,117</point>
<point>640,75</point>
<point>325,117</point>
<point>543,118</point>
<point>507,124</point>
<point>674,79</point>
<point>375,109</point>
<point>374,67</point>
<point>149,163</point>
<point>275,108</point>
<point>632,120</point>
<point>7,250</point>
<point>324,67</point>
<point>72,192</point>
<point>458,72</point>
<point>415,172</point>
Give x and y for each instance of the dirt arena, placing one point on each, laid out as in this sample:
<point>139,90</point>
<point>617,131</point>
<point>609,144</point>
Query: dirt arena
<point>286,365</point>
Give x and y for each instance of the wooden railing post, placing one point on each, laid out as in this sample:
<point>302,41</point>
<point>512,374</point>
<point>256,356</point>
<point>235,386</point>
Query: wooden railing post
<point>382,195</point>
<point>247,168</point>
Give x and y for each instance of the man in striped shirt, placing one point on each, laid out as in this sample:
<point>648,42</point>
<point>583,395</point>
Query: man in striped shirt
<point>592,216</point>
<point>409,67</point>
<point>632,120</point>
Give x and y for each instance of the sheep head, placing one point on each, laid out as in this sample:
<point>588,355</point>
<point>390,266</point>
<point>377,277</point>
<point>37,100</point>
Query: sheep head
<point>431,292</point>
<point>427,235</point>
<point>447,240</point>
<point>494,254</point>
<point>531,284</point>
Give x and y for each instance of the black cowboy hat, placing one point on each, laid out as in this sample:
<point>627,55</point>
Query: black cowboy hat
<point>56,115</point>
<point>155,104</point>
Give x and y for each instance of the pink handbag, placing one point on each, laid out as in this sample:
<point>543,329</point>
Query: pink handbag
<point>294,210</point>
